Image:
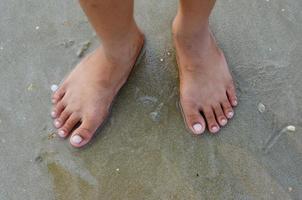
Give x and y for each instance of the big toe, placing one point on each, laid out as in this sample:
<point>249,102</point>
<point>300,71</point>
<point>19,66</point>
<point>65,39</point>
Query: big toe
<point>193,119</point>
<point>83,134</point>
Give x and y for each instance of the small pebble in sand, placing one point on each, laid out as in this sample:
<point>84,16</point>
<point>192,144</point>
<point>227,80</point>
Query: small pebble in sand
<point>68,43</point>
<point>37,27</point>
<point>169,53</point>
<point>282,9</point>
<point>155,116</point>
<point>291,128</point>
<point>117,169</point>
<point>51,135</point>
<point>161,60</point>
<point>261,107</point>
<point>290,189</point>
<point>38,159</point>
<point>85,46</point>
<point>54,87</point>
<point>30,87</point>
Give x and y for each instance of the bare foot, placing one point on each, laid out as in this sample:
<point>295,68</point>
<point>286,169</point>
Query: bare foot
<point>85,96</point>
<point>206,85</point>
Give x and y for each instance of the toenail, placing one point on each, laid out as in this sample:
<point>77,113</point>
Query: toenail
<point>230,114</point>
<point>53,114</point>
<point>61,133</point>
<point>57,123</point>
<point>197,128</point>
<point>215,129</point>
<point>235,102</point>
<point>76,139</point>
<point>224,122</point>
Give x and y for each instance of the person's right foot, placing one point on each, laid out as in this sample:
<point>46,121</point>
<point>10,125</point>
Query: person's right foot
<point>85,96</point>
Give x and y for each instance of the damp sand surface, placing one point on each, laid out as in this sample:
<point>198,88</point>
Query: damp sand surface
<point>144,150</point>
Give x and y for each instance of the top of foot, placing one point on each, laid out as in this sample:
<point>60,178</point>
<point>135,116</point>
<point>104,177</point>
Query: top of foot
<point>207,92</point>
<point>83,100</point>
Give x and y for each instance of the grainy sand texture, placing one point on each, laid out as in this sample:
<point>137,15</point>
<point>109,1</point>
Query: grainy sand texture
<point>144,150</point>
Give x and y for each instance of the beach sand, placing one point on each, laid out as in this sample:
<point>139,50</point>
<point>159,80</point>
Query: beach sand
<point>143,151</point>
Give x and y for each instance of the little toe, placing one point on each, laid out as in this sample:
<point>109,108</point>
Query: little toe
<point>57,109</point>
<point>211,120</point>
<point>193,119</point>
<point>60,120</point>
<point>58,95</point>
<point>69,125</point>
<point>227,109</point>
<point>231,92</point>
<point>220,117</point>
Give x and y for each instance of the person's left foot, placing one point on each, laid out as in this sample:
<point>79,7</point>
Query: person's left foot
<point>206,84</point>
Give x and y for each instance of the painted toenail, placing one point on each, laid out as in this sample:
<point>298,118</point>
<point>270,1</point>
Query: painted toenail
<point>230,114</point>
<point>61,133</point>
<point>76,139</point>
<point>57,123</point>
<point>53,114</point>
<point>224,122</point>
<point>235,102</point>
<point>215,129</point>
<point>197,128</point>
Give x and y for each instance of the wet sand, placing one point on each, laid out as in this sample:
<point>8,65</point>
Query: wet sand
<point>144,150</point>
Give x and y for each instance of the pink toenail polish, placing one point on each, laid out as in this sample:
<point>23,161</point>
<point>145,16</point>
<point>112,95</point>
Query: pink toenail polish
<point>224,122</point>
<point>61,133</point>
<point>53,114</point>
<point>230,114</point>
<point>57,123</point>
<point>76,139</point>
<point>215,129</point>
<point>197,128</point>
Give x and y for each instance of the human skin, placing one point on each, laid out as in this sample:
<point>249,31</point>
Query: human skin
<point>206,85</point>
<point>83,100</point>
<point>85,96</point>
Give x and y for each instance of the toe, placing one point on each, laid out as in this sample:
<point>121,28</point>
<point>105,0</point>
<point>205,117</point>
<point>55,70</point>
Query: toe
<point>193,119</point>
<point>227,109</point>
<point>83,134</point>
<point>61,119</point>
<point>58,95</point>
<point>220,117</point>
<point>231,92</point>
<point>211,120</point>
<point>57,109</point>
<point>69,125</point>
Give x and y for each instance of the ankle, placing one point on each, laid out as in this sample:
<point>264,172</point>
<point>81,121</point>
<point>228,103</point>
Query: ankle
<point>126,47</point>
<point>126,36</point>
<point>189,25</point>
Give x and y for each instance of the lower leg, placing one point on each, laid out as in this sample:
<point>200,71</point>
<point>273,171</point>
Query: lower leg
<point>85,96</point>
<point>113,22</point>
<point>205,81</point>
